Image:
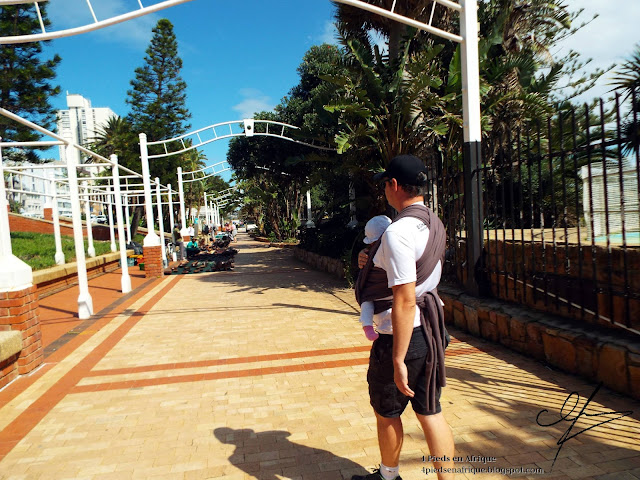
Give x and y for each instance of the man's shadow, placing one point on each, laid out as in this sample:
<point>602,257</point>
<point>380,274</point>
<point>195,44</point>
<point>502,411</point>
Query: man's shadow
<point>266,454</point>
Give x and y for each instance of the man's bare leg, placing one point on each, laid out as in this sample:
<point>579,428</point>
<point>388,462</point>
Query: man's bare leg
<point>439,437</point>
<point>390,438</point>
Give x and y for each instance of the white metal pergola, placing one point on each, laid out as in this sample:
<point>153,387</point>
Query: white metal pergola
<point>17,274</point>
<point>195,176</point>
<point>468,39</point>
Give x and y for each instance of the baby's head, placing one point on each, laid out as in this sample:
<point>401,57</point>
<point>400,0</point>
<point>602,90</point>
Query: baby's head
<point>375,228</point>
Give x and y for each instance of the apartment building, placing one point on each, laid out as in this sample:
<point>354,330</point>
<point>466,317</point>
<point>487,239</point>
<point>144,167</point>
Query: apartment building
<point>80,123</point>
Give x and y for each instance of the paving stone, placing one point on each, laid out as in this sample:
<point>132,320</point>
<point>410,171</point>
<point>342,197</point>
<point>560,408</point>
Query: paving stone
<point>261,372</point>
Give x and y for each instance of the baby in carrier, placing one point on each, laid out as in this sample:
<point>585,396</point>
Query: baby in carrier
<point>373,230</point>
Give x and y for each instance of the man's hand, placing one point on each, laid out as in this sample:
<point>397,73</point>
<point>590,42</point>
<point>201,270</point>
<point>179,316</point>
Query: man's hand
<point>363,256</point>
<point>401,379</point>
<point>402,315</point>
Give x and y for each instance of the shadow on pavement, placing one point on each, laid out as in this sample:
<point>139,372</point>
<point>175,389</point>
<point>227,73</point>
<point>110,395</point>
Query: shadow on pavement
<point>524,407</point>
<point>256,271</point>
<point>264,455</point>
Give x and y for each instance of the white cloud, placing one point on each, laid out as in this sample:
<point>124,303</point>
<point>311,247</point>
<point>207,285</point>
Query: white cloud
<point>330,33</point>
<point>254,101</point>
<point>608,39</point>
<point>134,33</point>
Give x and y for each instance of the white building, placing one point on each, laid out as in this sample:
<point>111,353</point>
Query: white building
<point>622,202</point>
<point>81,123</point>
<point>30,185</point>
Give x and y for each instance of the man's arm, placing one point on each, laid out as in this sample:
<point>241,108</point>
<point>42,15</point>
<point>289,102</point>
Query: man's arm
<point>402,316</point>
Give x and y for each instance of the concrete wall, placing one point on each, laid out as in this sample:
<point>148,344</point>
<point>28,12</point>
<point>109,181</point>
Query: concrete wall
<point>595,352</point>
<point>18,223</point>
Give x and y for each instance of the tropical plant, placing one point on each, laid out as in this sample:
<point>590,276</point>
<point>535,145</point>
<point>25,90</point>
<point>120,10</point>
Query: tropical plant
<point>627,82</point>
<point>193,160</point>
<point>117,137</point>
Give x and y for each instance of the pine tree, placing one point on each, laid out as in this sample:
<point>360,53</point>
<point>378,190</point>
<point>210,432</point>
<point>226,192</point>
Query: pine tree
<point>158,97</point>
<point>25,81</point>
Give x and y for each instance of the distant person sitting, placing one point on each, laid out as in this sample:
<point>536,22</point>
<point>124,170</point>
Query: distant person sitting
<point>192,248</point>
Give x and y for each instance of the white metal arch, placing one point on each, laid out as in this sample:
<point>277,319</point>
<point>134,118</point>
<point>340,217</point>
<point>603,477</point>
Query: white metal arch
<point>140,11</point>
<point>427,27</point>
<point>225,193</point>
<point>248,127</point>
<point>223,167</point>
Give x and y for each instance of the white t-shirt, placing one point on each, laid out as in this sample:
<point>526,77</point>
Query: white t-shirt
<point>402,244</point>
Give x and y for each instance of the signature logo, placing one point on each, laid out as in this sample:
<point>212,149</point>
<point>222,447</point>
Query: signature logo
<point>568,435</point>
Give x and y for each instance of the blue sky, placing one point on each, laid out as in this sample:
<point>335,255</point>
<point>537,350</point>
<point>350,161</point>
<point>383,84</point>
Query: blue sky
<point>238,57</point>
<point>241,57</point>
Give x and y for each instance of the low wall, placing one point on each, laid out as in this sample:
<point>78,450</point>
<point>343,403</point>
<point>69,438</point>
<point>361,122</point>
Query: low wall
<point>274,244</point>
<point>590,351</point>
<point>326,264</point>
<point>54,279</point>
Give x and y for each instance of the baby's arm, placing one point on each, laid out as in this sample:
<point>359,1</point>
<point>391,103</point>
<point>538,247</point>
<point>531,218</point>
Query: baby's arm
<point>366,319</point>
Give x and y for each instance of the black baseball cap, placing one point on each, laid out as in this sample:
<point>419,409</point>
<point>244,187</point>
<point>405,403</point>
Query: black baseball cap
<point>405,169</point>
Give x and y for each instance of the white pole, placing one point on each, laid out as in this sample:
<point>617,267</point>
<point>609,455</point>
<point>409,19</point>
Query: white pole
<point>309,223</point>
<point>85,302</point>
<point>16,275</point>
<point>170,199</point>
<point>206,212</point>
<point>59,256</point>
<point>470,71</point>
<point>472,145</point>
<point>91,251</point>
<point>111,233</point>
<point>184,232</point>
<point>161,223</point>
<point>151,240</point>
<point>128,220</point>
<point>125,280</point>
<point>210,207</point>
<point>172,221</point>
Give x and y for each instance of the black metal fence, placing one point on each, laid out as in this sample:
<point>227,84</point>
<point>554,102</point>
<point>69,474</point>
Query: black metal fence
<point>560,215</point>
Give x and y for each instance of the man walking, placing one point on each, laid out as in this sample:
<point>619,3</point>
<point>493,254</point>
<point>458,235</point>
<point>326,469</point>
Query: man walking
<point>408,364</point>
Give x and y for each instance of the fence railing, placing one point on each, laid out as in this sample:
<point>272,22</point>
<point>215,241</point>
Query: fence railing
<point>561,215</point>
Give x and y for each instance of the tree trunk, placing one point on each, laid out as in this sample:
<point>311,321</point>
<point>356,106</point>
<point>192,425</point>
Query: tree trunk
<point>138,212</point>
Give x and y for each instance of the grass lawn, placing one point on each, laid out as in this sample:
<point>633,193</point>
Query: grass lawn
<point>38,249</point>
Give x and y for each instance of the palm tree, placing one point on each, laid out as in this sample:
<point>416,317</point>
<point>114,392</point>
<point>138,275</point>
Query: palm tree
<point>627,82</point>
<point>354,24</point>
<point>192,161</point>
<point>117,137</point>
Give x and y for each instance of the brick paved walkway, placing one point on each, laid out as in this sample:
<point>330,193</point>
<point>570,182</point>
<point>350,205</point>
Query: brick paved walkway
<point>260,373</point>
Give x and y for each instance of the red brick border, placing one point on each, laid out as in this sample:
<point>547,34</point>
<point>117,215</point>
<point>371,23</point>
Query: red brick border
<point>19,311</point>
<point>8,370</point>
<point>153,266</point>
